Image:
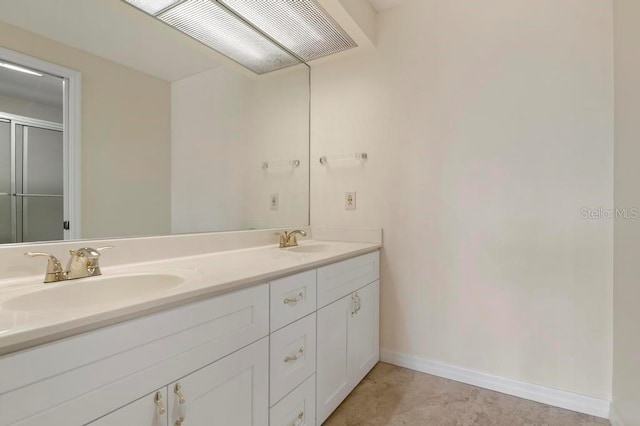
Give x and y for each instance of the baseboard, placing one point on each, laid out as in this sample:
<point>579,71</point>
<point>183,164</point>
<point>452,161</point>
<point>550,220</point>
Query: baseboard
<point>557,398</point>
<point>614,416</point>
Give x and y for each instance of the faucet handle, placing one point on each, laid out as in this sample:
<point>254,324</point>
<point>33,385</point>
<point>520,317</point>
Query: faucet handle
<point>88,251</point>
<point>283,238</point>
<point>289,239</point>
<point>95,266</point>
<point>292,239</point>
<point>54,267</point>
<point>36,254</point>
<point>84,262</point>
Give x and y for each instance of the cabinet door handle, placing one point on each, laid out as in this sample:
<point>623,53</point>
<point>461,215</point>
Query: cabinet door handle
<point>182,404</point>
<point>162,419</point>
<point>294,300</point>
<point>178,391</point>
<point>298,355</point>
<point>354,304</point>
<point>299,421</point>
<point>159,404</point>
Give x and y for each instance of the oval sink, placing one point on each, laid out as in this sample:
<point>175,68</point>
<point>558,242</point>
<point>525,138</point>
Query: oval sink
<point>311,248</point>
<point>93,291</point>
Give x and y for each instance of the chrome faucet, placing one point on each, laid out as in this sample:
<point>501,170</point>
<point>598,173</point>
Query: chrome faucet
<point>84,262</point>
<point>288,239</point>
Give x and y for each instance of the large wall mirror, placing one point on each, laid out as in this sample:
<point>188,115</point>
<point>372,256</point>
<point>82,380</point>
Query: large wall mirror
<point>174,138</point>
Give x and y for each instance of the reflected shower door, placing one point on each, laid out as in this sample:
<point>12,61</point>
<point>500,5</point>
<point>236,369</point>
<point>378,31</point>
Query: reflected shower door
<point>6,225</point>
<point>39,184</point>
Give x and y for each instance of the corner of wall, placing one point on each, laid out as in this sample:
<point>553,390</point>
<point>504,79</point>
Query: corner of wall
<point>614,416</point>
<point>364,15</point>
<point>357,18</point>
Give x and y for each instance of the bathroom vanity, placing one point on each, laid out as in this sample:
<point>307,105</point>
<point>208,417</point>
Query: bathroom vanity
<point>260,336</point>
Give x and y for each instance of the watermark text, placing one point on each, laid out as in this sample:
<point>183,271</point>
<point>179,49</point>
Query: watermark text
<point>607,214</point>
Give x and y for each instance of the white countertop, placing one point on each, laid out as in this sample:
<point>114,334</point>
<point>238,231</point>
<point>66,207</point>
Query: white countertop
<point>205,276</point>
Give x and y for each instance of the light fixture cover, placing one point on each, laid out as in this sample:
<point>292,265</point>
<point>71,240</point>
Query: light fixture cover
<point>261,35</point>
<point>211,24</point>
<point>152,7</point>
<point>301,26</point>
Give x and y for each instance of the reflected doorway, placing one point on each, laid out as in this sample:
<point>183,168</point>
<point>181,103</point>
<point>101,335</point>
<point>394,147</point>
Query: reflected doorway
<point>34,184</point>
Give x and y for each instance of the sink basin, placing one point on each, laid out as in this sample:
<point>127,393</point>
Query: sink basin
<point>311,248</point>
<point>93,291</point>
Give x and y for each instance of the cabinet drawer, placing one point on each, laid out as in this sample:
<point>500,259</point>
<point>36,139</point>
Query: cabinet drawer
<point>298,408</point>
<point>292,298</point>
<point>293,356</point>
<point>337,280</point>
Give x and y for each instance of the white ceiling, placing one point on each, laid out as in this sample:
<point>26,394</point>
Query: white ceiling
<point>380,5</point>
<point>45,90</point>
<point>114,30</point>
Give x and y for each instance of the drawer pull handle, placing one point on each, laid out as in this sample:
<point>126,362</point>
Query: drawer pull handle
<point>159,404</point>
<point>294,300</point>
<point>295,357</point>
<point>299,420</point>
<point>182,405</point>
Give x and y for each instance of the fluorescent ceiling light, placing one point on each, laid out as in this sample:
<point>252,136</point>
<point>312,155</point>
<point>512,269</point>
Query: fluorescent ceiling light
<point>215,26</point>
<point>211,24</point>
<point>302,27</point>
<point>152,7</point>
<point>261,35</point>
<point>19,69</point>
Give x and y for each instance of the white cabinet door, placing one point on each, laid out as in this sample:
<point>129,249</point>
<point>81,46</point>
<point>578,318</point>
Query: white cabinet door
<point>363,347</point>
<point>233,391</point>
<point>150,410</point>
<point>348,346</point>
<point>332,372</point>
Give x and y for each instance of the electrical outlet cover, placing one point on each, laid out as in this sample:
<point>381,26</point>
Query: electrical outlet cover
<point>349,200</point>
<point>274,202</point>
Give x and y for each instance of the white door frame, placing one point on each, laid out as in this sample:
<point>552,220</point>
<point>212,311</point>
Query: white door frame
<point>71,123</point>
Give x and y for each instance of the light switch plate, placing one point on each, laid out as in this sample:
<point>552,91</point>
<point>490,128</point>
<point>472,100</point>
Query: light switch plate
<point>274,202</point>
<point>350,200</point>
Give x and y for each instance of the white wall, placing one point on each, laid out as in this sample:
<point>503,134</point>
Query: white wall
<point>626,367</point>
<point>279,132</point>
<point>208,127</point>
<point>31,109</point>
<point>224,126</point>
<point>488,127</point>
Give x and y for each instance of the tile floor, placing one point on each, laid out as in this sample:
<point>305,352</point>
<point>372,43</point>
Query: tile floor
<point>395,396</point>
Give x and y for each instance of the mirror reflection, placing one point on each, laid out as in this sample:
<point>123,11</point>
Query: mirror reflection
<point>31,155</point>
<point>173,137</point>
